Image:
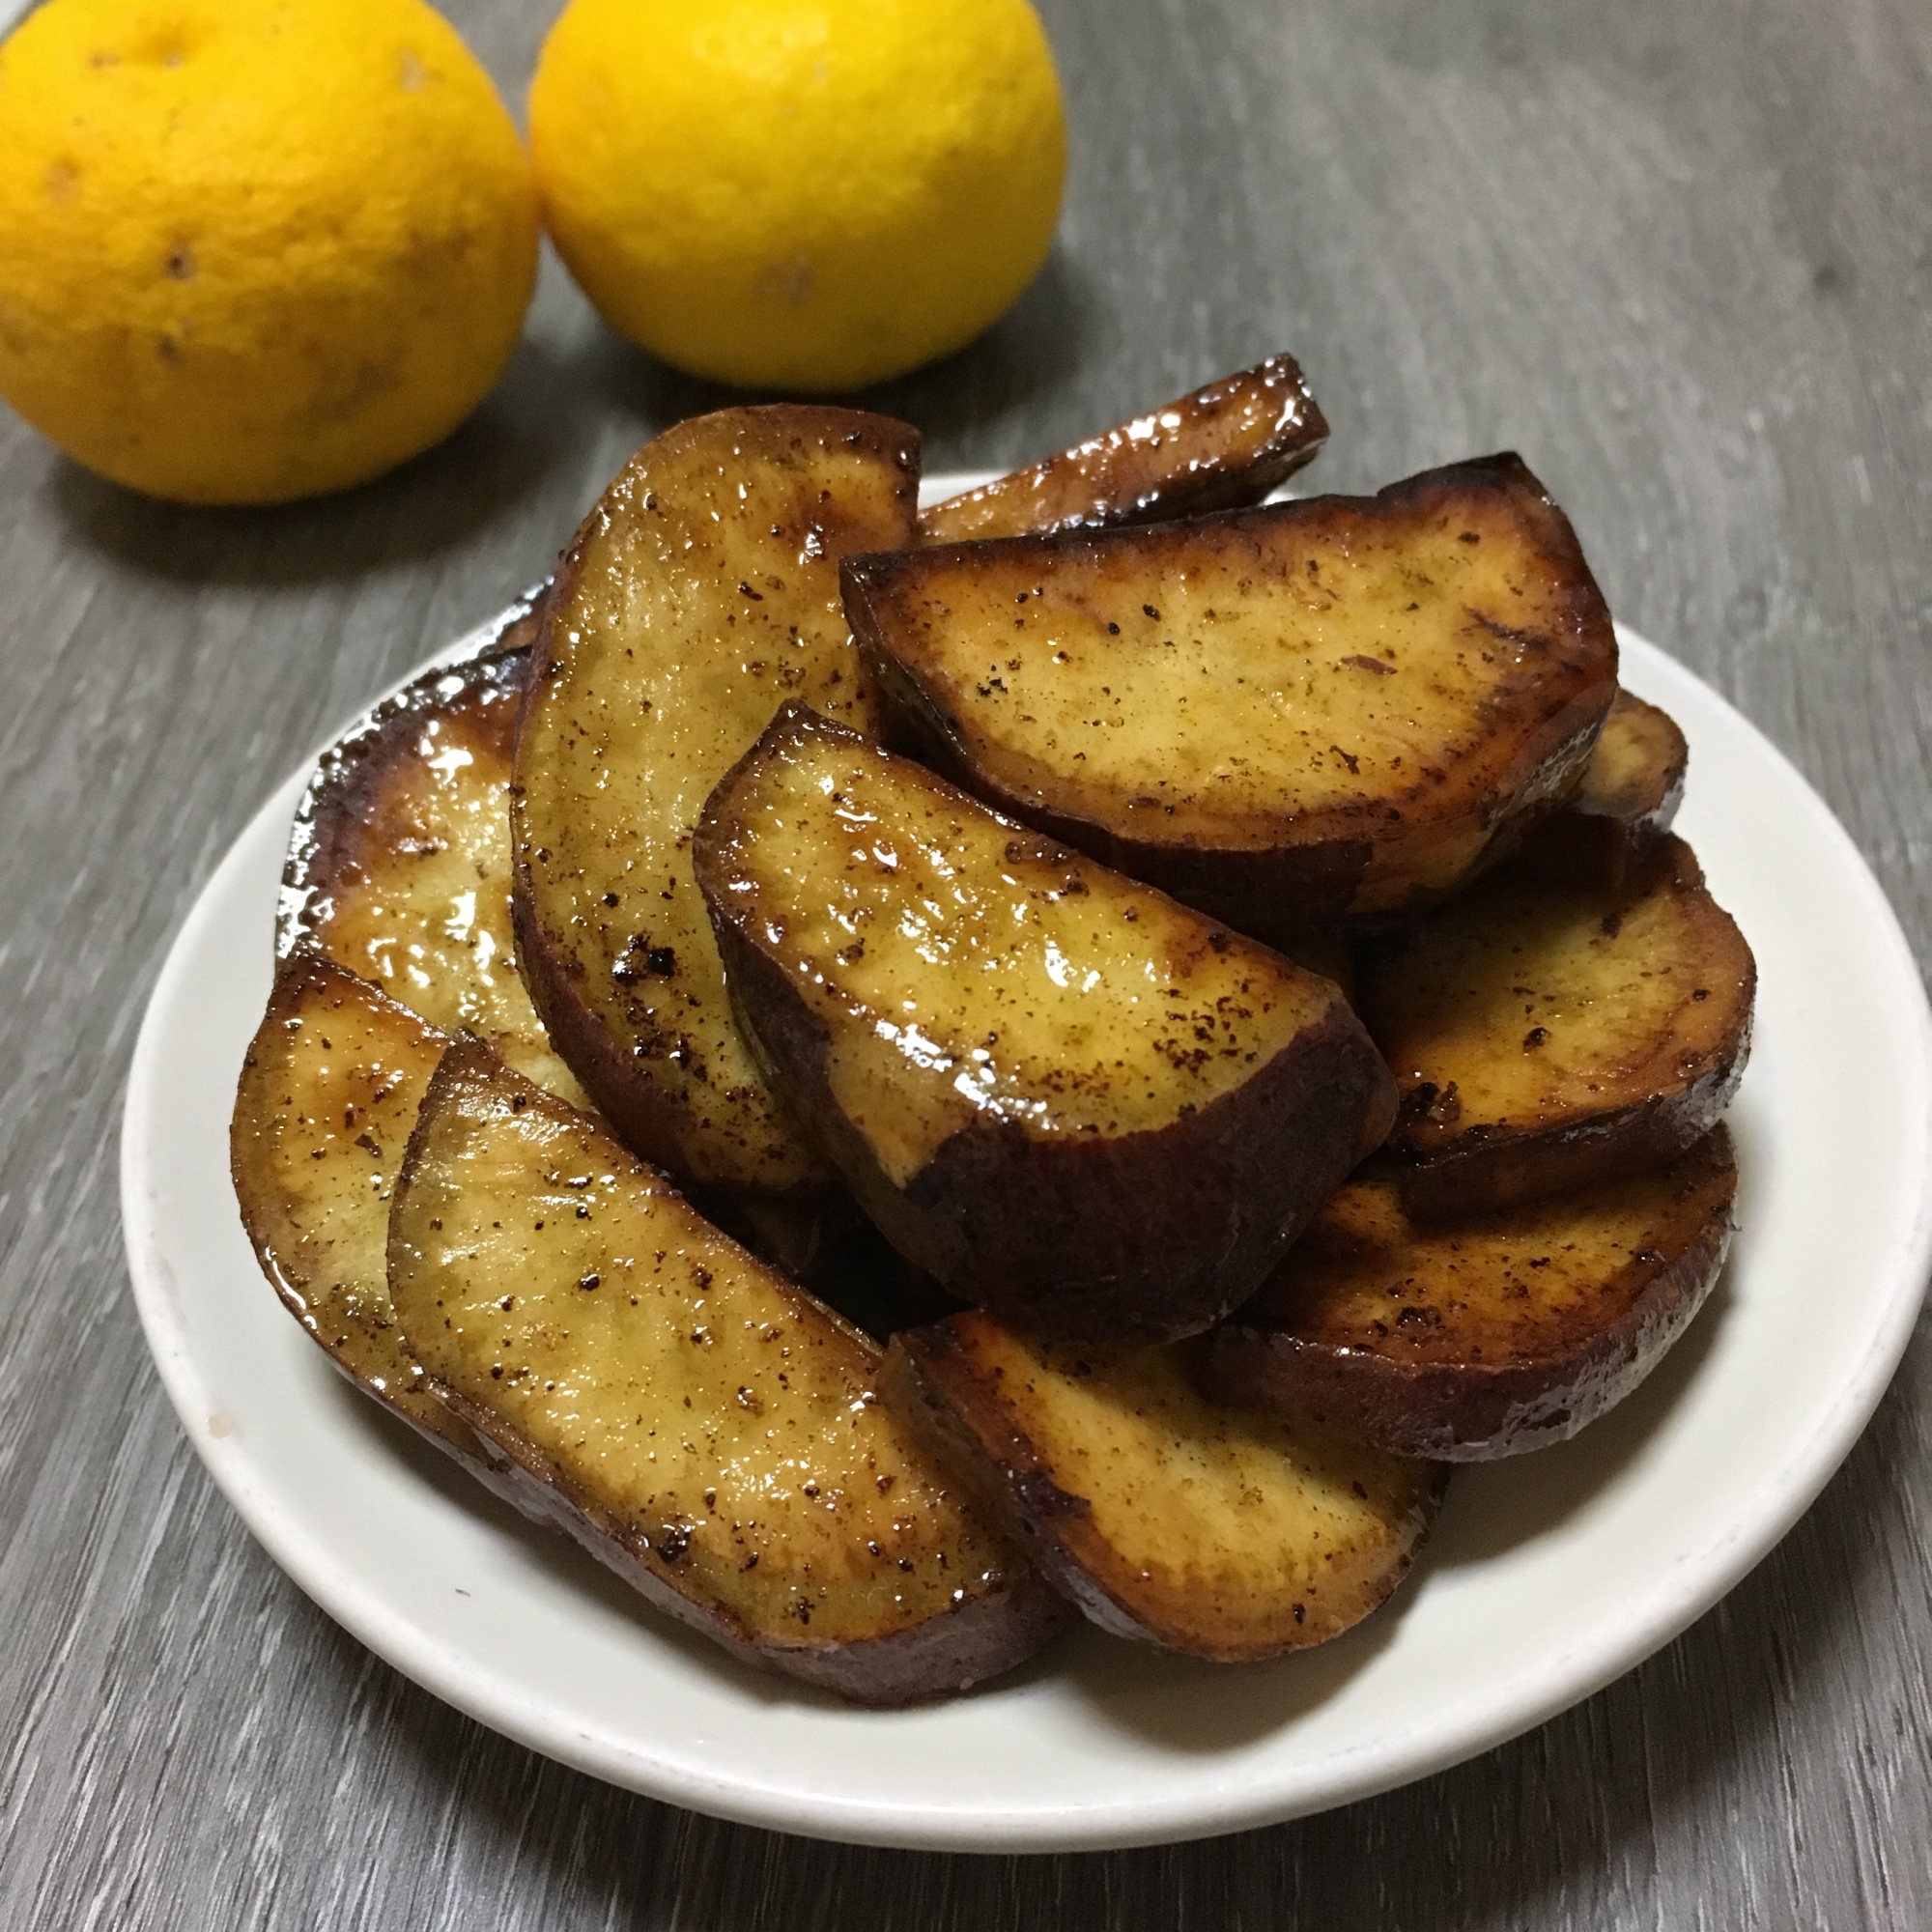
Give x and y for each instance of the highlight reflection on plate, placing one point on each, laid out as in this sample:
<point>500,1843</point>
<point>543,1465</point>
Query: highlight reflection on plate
<point>1545,1577</point>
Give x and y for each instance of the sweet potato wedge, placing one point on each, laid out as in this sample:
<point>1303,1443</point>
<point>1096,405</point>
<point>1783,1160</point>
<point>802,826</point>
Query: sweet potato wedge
<point>1545,1037</point>
<point>1220,448</point>
<point>327,1097</point>
<point>699,1424</point>
<point>1342,705</point>
<point>1067,1098</point>
<point>1485,1337</point>
<point>399,866</point>
<point>1631,788</point>
<point>1164,1518</point>
<point>701,593</point>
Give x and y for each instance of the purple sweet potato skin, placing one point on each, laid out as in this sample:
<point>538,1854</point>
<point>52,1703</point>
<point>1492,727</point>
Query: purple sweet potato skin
<point>1656,1097</point>
<point>1619,817</point>
<point>1220,447</point>
<point>1278,873</point>
<point>1150,1236</point>
<point>1085,1238</point>
<point>1462,1385</point>
<point>644,1076</point>
<point>985,1636</point>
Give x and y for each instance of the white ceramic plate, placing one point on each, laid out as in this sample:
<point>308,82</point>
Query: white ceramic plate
<point>1545,1577</point>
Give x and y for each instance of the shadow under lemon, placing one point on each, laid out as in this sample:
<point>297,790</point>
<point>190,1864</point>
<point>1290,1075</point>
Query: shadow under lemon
<point>574,403</point>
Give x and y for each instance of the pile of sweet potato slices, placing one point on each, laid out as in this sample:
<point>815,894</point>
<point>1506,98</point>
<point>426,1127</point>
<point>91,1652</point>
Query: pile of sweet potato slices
<point>903,1074</point>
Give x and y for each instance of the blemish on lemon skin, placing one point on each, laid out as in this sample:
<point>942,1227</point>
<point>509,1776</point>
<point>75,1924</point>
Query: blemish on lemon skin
<point>158,47</point>
<point>134,131</point>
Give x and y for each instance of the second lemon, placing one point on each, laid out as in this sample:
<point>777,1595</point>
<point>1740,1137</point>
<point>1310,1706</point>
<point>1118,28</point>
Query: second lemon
<point>799,196</point>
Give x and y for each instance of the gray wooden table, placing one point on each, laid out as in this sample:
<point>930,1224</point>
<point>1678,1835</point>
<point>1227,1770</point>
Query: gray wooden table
<point>1678,252</point>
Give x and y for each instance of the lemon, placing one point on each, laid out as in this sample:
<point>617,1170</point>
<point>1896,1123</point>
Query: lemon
<point>254,249</point>
<point>802,194</point>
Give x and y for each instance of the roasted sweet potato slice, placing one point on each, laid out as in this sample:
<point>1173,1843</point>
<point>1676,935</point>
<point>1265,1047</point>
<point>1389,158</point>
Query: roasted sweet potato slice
<point>399,868</point>
<point>699,594</point>
<point>1067,1098</point>
<point>697,1422</point>
<point>1334,706</point>
<point>1224,446</point>
<point>328,1097</point>
<point>1489,1335</point>
<point>1165,1518</point>
<point>1631,788</point>
<point>1545,1037</point>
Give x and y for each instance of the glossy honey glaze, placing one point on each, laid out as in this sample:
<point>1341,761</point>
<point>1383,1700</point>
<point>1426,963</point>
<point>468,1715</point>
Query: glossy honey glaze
<point>1527,1285</point>
<point>677,1387</point>
<point>972,969</point>
<point>1226,1534</point>
<point>1229,442</point>
<point>1526,1005</point>
<point>702,594</point>
<point>402,874</point>
<point>1390,671</point>
<point>327,1097</point>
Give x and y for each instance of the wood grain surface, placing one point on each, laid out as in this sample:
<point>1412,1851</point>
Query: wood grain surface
<point>1679,253</point>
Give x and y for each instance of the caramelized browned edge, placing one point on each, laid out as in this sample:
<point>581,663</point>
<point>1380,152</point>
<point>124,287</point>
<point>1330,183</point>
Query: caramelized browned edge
<point>794,1229</point>
<point>1494,1166</point>
<point>1476,1409</point>
<point>1229,445</point>
<point>303,973</point>
<point>945,1654</point>
<point>1609,840</point>
<point>342,793</point>
<point>1009,1222</point>
<point>1311,875</point>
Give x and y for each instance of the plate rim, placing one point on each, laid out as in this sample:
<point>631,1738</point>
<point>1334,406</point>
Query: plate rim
<point>1465,1729</point>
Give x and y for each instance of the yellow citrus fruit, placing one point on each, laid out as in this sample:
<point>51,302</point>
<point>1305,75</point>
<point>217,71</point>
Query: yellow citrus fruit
<point>803,194</point>
<point>254,249</point>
